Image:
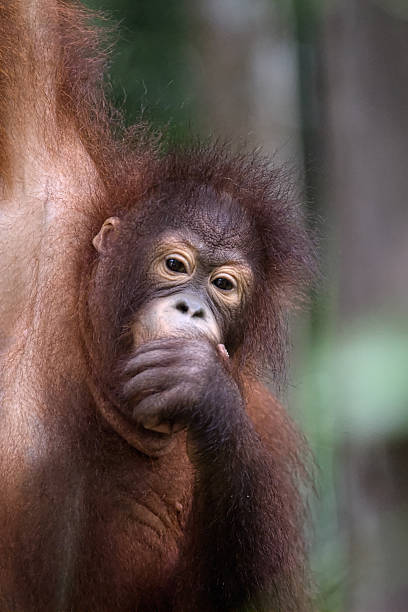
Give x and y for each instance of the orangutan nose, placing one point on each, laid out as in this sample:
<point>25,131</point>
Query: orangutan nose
<point>191,308</point>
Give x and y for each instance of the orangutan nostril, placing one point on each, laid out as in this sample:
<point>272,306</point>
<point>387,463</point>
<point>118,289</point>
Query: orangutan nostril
<point>182,307</point>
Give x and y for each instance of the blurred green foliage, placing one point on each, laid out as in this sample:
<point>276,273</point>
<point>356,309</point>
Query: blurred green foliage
<point>150,74</point>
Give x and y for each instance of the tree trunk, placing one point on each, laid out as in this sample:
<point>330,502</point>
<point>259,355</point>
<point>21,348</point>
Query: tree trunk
<point>367,74</point>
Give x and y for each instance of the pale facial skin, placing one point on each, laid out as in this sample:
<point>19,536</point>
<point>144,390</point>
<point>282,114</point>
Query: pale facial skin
<point>179,335</point>
<point>200,296</point>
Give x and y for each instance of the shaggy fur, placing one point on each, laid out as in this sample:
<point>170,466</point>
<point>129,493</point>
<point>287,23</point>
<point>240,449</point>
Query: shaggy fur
<point>89,520</point>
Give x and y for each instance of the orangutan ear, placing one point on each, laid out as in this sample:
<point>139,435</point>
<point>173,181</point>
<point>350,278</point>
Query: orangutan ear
<point>105,235</point>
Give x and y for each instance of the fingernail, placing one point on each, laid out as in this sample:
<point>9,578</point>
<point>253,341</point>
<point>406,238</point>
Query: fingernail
<point>223,351</point>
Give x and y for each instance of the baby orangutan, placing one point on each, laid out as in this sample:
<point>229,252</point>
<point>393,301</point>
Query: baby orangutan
<point>144,465</point>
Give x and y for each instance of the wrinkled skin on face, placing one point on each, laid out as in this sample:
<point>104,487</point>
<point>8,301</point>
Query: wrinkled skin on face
<point>170,375</point>
<point>199,281</point>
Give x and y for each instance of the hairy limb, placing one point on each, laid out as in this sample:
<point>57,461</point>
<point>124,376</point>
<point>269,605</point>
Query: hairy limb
<point>46,157</point>
<point>237,554</point>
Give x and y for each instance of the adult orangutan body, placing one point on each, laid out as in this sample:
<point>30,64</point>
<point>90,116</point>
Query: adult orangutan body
<point>143,466</point>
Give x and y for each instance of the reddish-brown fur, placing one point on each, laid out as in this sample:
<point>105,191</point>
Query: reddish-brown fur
<point>89,523</point>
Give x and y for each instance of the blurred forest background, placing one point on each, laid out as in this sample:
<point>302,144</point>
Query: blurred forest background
<point>323,84</point>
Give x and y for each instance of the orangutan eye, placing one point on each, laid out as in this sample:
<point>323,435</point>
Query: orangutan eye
<point>175,265</point>
<point>223,283</point>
